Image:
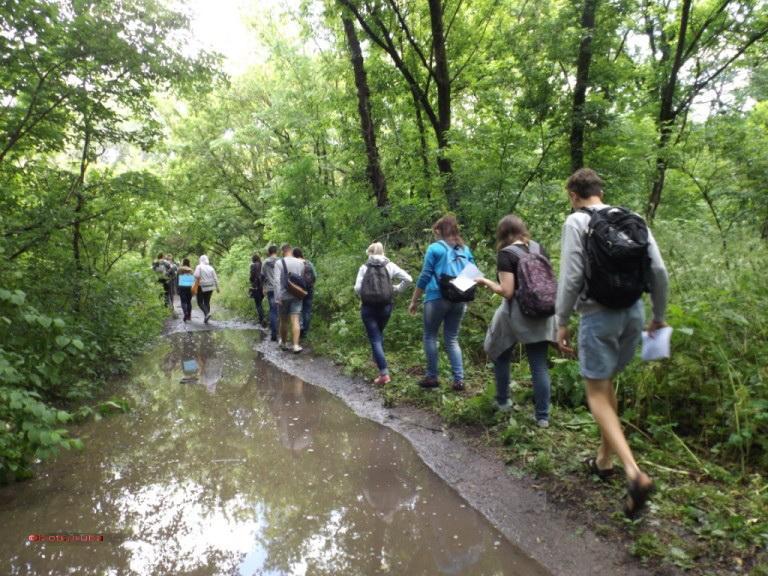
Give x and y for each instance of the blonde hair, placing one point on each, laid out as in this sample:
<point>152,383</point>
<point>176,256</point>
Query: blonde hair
<point>376,249</point>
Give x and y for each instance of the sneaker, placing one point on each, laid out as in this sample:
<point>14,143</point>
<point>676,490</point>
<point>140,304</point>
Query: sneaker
<point>542,423</point>
<point>382,379</point>
<point>273,338</point>
<point>506,407</point>
<point>428,382</point>
<point>207,317</point>
<point>282,345</point>
<point>296,349</point>
<point>458,386</point>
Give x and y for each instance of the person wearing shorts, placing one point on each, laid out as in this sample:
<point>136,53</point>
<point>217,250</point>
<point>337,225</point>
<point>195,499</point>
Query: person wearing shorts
<point>289,307</point>
<point>608,338</point>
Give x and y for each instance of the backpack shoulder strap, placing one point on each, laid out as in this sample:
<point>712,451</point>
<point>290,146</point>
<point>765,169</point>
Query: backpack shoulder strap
<point>514,249</point>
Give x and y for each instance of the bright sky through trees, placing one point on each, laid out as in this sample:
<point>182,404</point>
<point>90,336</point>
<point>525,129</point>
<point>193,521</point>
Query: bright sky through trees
<point>225,27</point>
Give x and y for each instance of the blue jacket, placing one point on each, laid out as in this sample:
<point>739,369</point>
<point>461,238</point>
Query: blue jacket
<point>428,279</point>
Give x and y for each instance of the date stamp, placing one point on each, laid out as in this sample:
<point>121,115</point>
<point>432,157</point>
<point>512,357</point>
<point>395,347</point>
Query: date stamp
<point>65,538</point>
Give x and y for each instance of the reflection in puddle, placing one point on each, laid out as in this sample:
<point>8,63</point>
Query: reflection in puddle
<point>228,466</point>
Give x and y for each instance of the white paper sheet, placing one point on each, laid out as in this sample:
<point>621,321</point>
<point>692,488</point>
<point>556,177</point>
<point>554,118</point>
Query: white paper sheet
<point>466,278</point>
<point>657,347</point>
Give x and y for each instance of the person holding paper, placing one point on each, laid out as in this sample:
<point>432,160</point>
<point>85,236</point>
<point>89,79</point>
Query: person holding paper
<point>444,304</point>
<point>608,336</point>
<point>510,326</point>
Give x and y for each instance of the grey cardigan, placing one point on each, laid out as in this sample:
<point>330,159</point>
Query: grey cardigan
<point>510,326</point>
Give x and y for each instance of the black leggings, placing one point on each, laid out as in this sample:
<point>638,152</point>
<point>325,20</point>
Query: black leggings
<point>185,295</point>
<point>204,301</point>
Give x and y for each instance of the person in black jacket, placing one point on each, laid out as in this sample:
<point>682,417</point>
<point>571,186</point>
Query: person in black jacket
<point>257,288</point>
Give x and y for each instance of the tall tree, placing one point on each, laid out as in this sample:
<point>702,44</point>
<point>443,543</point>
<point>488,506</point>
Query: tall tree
<point>435,67</point>
<point>375,174</point>
<point>708,43</point>
<point>582,82</point>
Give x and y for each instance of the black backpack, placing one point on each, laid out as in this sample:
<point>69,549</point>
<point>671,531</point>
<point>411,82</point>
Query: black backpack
<point>617,261</point>
<point>308,275</point>
<point>376,289</point>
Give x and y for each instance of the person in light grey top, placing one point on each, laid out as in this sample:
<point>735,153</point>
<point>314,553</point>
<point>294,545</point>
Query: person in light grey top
<point>208,282</point>
<point>608,337</point>
<point>400,278</point>
<point>385,280</point>
<point>289,306</point>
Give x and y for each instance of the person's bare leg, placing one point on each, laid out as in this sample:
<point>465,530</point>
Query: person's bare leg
<point>296,329</point>
<point>604,458</point>
<point>602,404</point>
<point>284,329</point>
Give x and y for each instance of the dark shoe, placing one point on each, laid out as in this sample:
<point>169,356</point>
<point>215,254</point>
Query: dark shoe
<point>637,496</point>
<point>273,338</point>
<point>458,386</point>
<point>429,383</point>
<point>602,473</point>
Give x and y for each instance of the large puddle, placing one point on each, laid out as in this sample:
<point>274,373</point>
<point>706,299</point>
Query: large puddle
<point>229,466</point>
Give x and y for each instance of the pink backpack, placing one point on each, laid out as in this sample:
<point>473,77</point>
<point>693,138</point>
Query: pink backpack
<point>536,291</point>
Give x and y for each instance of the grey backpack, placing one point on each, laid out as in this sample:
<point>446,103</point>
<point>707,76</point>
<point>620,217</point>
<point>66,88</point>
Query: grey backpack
<point>377,286</point>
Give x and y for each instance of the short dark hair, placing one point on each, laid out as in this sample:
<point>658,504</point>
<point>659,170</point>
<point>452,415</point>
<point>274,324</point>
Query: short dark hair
<point>585,182</point>
<point>160,256</point>
<point>271,250</point>
<point>285,247</point>
<point>185,262</point>
<point>255,258</point>
<point>297,253</point>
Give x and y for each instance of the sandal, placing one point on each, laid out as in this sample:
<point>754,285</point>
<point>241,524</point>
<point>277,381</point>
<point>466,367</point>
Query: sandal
<point>638,496</point>
<point>603,473</point>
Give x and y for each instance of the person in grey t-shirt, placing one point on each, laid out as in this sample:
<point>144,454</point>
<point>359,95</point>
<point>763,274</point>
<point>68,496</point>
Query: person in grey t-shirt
<point>289,306</point>
<point>608,337</point>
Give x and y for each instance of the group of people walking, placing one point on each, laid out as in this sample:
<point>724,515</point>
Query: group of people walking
<point>288,282</point>
<point>608,259</point>
<point>186,282</point>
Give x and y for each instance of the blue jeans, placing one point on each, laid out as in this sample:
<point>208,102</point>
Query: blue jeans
<point>272,315</point>
<point>306,312</point>
<point>438,312</point>
<point>375,319</point>
<point>537,360</point>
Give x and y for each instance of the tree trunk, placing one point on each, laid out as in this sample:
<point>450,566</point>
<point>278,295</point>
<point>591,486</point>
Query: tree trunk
<point>443,83</point>
<point>440,120</point>
<point>375,174</point>
<point>668,113</point>
<point>77,189</point>
<point>582,81</point>
<point>423,147</point>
